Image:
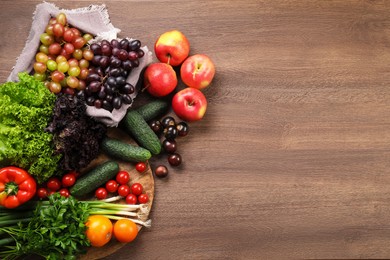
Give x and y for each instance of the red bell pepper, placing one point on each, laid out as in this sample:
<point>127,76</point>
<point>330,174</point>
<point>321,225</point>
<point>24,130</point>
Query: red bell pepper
<point>16,187</point>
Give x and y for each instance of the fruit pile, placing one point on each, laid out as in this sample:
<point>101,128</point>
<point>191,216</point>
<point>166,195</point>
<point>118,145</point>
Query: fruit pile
<point>197,71</point>
<point>62,61</point>
<point>54,184</point>
<point>120,186</point>
<point>112,63</point>
<point>189,104</point>
<point>97,72</point>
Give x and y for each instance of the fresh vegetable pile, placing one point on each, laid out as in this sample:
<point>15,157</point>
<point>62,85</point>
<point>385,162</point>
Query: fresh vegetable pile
<point>65,184</point>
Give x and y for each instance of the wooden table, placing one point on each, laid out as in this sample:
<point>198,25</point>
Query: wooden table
<point>292,159</point>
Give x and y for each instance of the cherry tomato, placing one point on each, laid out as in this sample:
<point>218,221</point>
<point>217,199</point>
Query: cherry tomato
<point>123,177</point>
<point>42,193</point>
<point>68,179</point>
<point>136,189</point>
<point>64,192</point>
<point>140,167</point>
<point>124,190</point>
<point>101,193</point>
<point>99,231</point>
<point>125,230</point>
<point>131,199</point>
<point>54,184</point>
<point>112,186</point>
<point>143,198</point>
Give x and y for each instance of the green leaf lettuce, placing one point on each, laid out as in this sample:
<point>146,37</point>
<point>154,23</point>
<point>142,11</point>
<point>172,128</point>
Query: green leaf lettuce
<point>25,110</point>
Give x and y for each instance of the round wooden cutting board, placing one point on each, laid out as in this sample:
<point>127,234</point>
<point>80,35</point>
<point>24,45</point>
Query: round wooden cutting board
<point>145,178</point>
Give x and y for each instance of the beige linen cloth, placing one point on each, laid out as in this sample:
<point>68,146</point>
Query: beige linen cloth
<point>93,19</point>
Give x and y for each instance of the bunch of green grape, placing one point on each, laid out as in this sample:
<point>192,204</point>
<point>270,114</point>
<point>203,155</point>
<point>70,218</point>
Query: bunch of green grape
<point>62,60</point>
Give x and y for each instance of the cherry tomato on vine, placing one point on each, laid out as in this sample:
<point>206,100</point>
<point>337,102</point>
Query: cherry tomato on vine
<point>131,199</point>
<point>140,167</point>
<point>125,230</point>
<point>136,189</point>
<point>68,179</point>
<point>42,193</point>
<point>53,184</point>
<point>123,177</point>
<point>112,186</point>
<point>64,192</point>
<point>124,190</point>
<point>99,231</point>
<point>143,198</point>
<point>101,193</point>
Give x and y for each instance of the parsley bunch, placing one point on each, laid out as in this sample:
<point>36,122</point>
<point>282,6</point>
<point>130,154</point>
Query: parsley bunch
<point>56,231</point>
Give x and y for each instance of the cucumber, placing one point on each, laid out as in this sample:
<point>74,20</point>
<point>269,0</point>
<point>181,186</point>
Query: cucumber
<point>124,151</point>
<point>153,109</point>
<point>94,178</point>
<point>136,125</point>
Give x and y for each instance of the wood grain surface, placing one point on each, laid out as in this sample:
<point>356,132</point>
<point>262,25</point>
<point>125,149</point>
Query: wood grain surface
<point>292,159</point>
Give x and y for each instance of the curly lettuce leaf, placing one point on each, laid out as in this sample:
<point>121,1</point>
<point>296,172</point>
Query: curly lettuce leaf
<point>28,92</point>
<point>25,110</point>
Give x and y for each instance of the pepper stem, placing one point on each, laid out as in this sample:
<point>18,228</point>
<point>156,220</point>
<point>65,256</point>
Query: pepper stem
<point>11,188</point>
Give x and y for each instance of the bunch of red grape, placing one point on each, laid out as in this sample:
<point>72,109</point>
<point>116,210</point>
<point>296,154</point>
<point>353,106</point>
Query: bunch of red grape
<point>112,63</point>
<point>63,58</point>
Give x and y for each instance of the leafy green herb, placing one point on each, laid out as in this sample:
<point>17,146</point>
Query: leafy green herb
<point>25,110</point>
<point>56,231</point>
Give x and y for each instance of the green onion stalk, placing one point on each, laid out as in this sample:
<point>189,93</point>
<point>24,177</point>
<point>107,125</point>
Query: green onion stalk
<point>9,217</point>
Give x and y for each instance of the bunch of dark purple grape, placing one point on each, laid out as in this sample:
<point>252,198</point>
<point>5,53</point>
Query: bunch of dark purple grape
<point>111,65</point>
